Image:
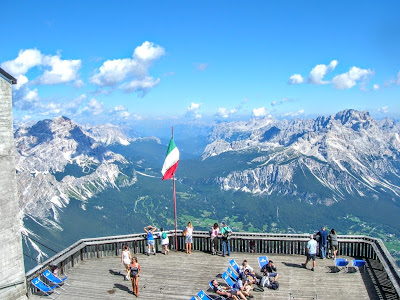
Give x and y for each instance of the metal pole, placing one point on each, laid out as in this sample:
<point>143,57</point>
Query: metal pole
<point>174,195</point>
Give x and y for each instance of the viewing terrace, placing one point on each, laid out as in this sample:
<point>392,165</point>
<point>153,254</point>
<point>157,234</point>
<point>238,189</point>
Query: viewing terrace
<point>95,271</point>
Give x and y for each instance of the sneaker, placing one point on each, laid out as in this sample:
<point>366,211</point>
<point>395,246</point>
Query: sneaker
<point>148,253</point>
<point>304,266</point>
<point>312,269</point>
<point>154,253</point>
<point>251,296</point>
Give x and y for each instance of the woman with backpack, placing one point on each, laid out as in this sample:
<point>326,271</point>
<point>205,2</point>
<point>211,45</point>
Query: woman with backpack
<point>164,240</point>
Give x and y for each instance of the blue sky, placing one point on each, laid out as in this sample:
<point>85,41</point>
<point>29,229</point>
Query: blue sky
<point>101,61</point>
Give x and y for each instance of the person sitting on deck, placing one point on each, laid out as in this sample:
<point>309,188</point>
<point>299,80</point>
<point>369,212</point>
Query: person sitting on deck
<point>150,238</point>
<point>227,291</point>
<point>270,271</point>
<point>243,284</point>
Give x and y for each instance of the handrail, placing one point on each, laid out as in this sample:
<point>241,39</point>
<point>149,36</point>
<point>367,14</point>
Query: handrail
<point>349,245</point>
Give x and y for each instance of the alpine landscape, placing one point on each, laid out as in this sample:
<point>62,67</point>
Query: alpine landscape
<point>262,175</point>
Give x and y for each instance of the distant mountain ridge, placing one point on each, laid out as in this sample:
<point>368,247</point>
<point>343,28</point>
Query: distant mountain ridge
<point>69,174</point>
<point>346,153</point>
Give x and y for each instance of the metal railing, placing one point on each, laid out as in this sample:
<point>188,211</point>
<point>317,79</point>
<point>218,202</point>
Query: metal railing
<point>353,246</point>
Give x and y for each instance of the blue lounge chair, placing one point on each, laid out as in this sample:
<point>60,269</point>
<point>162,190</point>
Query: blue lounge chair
<point>54,279</point>
<point>228,280</point>
<point>359,263</point>
<point>203,296</point>
<point>41,286</point>
<point>234,276</point>
<point>234,266</point>
<point>193,298</point>
<point>262,261</point>
<point>341,263</point>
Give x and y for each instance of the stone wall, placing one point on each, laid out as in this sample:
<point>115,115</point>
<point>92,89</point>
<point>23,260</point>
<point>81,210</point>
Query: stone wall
<point>12,270</point>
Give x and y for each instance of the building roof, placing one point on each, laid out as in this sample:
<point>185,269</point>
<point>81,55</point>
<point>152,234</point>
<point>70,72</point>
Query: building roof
<point>7,76</point>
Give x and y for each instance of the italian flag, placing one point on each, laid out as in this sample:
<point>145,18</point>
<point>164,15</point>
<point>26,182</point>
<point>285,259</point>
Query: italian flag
<point>171,161</point>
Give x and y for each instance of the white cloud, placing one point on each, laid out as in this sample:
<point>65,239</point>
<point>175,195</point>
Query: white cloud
<point>384,109</point>
<point>61,71</point>
<point>260,112</point>
<point>398,78</point>
<point>148,52</point>
<point>26,60</point>
<point>225,113</point>
<point>319,72</point>
<point>296,79</point>
<point>32,95</point>
<point>142,85</point>
<point>294,114</point>
<point>94,107</point>
<point>376,87</point>
<point>21,80</point>
<point>194,106</point>
<point>283,100</point>
<point>349,79</point>
<point>120,108</point>
<point>79,83</point>
<point>135,70</point>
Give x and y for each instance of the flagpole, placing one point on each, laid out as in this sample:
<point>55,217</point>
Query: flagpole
<point>174,195</point>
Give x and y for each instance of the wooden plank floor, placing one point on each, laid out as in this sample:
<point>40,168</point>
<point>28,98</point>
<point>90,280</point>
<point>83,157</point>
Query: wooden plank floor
<point>180,276</point>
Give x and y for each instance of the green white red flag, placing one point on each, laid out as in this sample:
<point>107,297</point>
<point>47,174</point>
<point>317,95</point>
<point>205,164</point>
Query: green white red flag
<point>171,161</point>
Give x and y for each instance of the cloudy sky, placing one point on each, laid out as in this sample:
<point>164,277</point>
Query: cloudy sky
<point>99,61</point>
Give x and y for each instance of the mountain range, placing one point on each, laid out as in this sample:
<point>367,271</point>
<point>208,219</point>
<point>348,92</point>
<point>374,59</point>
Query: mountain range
<point>271,175</point>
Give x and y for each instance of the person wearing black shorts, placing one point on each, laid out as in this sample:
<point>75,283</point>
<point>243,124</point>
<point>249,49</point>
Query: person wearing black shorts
<point>311,252</point>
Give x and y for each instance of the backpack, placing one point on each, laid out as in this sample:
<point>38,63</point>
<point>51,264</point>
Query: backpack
<point>274,285</point>
<point>227,233</point>
<point>164,235</point>
<point>265,281</point>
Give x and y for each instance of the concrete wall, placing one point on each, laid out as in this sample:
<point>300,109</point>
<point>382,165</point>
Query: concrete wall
<point>11,257</point>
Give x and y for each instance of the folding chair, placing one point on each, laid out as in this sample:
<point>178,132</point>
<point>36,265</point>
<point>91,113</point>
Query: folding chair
<point>234,266</point>
<point>359,263</point>
<point>232,274</point>
<point>54,279</point>
<point>40,285</point>
<point>341,262</point>
<point>203,296</point>
<point>193,298</point>
<point>262,261</point>
<point>228,280</point>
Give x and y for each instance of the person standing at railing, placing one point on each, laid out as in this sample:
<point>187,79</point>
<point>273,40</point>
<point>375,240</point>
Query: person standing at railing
<point>189,238</point>
<point>164,240</point>
<point>150,238</point>
<point>126,258</point>
<point>214,238</point>
<point>332,237</point>
<point>226,235</point>
<point>323,240</point>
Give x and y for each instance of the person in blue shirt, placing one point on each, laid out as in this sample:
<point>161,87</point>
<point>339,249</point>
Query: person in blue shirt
<point>226,235</point>
<point>311,252</point>
<point>323,240</point>
<point>150,238</point>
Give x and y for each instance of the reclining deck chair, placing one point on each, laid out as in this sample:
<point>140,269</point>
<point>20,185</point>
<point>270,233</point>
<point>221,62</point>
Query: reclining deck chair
<point>41,286</point>
<point>234,266</point>
<point>54,279</point>
<point>232,274</point>
<point>203,296</point>
<point>341,262</point>
<point>262,261</point>
<point>228,280</point>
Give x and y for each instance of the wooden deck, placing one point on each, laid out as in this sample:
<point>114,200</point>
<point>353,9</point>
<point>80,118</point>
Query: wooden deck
<point>181,276</point>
